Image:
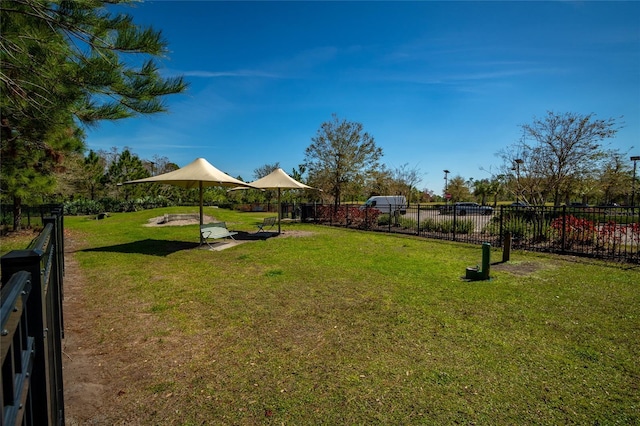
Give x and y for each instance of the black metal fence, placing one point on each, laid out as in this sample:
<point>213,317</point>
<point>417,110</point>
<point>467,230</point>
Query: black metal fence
<point>32,329</point>
<point>32,216</point>
<point>611,233</point>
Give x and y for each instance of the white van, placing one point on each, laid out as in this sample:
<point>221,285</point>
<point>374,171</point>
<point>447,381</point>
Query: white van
<point>387,203</point>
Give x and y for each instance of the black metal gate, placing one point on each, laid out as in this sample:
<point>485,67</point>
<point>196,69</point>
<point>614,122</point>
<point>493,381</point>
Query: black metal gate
<point>32,329</point>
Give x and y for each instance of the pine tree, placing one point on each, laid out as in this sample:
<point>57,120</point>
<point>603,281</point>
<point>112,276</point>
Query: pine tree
<point>61,67</point>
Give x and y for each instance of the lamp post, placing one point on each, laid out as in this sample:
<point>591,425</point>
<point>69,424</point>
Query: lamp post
<point>633,182</point>
<point>517,169</point>
<point>446,172</point>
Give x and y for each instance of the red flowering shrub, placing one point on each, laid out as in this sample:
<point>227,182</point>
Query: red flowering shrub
<point>610,235</point>
<point>348,216</point>
<point>576,230</point>
<point>634,229</point>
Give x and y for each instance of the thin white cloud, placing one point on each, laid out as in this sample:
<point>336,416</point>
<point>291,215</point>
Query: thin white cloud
<point>500,74</point>
<point>238,73</point>
<point>296,66</point>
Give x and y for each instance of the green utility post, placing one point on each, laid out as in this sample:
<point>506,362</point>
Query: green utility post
<point>476,274</point>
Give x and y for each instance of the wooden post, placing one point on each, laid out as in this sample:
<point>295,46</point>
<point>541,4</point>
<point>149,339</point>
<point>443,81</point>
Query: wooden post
<point>506,253</point>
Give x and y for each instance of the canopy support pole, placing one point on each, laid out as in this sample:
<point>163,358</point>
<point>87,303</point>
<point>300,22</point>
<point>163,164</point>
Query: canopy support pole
<point>201,199</point>
<point>279,211</point>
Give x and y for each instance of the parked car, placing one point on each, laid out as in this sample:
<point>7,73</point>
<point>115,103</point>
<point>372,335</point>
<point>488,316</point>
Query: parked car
<point>520,204</point>
<point>464,208</point>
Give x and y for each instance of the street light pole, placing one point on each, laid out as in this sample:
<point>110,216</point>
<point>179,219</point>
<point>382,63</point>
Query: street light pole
<point>518,162</point>
<point>446,172</point>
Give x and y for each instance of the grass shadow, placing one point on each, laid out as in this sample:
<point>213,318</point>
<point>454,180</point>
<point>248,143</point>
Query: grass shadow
<point>149,246</point>
<point>155,247</point>
<point>255,236</point>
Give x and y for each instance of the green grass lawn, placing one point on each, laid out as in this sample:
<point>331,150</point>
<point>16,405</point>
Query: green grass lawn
<point>345,327</point>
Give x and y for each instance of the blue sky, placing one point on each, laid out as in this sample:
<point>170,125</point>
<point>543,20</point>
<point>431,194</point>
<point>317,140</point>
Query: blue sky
<point>439,85</point>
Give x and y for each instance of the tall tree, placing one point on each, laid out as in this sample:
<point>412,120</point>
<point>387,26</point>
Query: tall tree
<point>340,153</point>
<point>616,179</point>
<point>60,67</point>
<point>94,170</point>
<point>482,189</point>
<point>406,179</point>
<point>298,173</point>
<point>37,129</point>
<point>378,182</point>
<point>263,171</point>
<point>556,151</point>
<point>127,167</point>
<point>459,189</point>
<point>82,177</point>
<point>496,188</point>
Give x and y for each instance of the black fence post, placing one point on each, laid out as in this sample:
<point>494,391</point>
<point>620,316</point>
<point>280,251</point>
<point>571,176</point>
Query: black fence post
<point>315,212</point>
<point>54,311</point>
<point>563,233</point>
<point>346,208</point>
<point>455,215</point>
<point>501,232</point>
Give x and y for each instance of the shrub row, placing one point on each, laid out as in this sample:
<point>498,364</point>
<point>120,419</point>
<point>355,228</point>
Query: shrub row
<point>90,207</point>
<point>348,216</point>
<point>462,226</point>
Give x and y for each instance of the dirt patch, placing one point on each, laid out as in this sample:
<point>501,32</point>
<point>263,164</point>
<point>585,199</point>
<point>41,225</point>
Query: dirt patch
<point>87,384</point>
<point>519,268</point>
<point>161,221</point>
<point>295,234</point>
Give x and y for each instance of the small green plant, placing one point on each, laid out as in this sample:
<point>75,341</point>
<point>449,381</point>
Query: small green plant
<point>274,273</point>
<point>82,207</point>
<point>429,225</point>
<point>407,223</point>
<point>384,220</point>
<point>517,226</point>
<point>463,226</point>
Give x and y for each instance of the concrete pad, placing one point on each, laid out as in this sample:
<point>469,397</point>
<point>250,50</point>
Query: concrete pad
<point>222,245</point>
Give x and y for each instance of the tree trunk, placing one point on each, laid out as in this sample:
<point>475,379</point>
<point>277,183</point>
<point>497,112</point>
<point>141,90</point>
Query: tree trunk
<point>17,213</point>
<point>556,198</point>
<point>336,199</point>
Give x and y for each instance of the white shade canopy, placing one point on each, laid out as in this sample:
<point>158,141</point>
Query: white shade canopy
<point>194,173</point>
<point>278,179</point>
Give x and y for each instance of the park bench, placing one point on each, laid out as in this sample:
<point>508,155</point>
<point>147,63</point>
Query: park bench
<point>213,231</point>
<point>267,222</point>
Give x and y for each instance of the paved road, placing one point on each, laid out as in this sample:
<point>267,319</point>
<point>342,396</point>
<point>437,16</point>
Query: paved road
<point>479,220</point>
